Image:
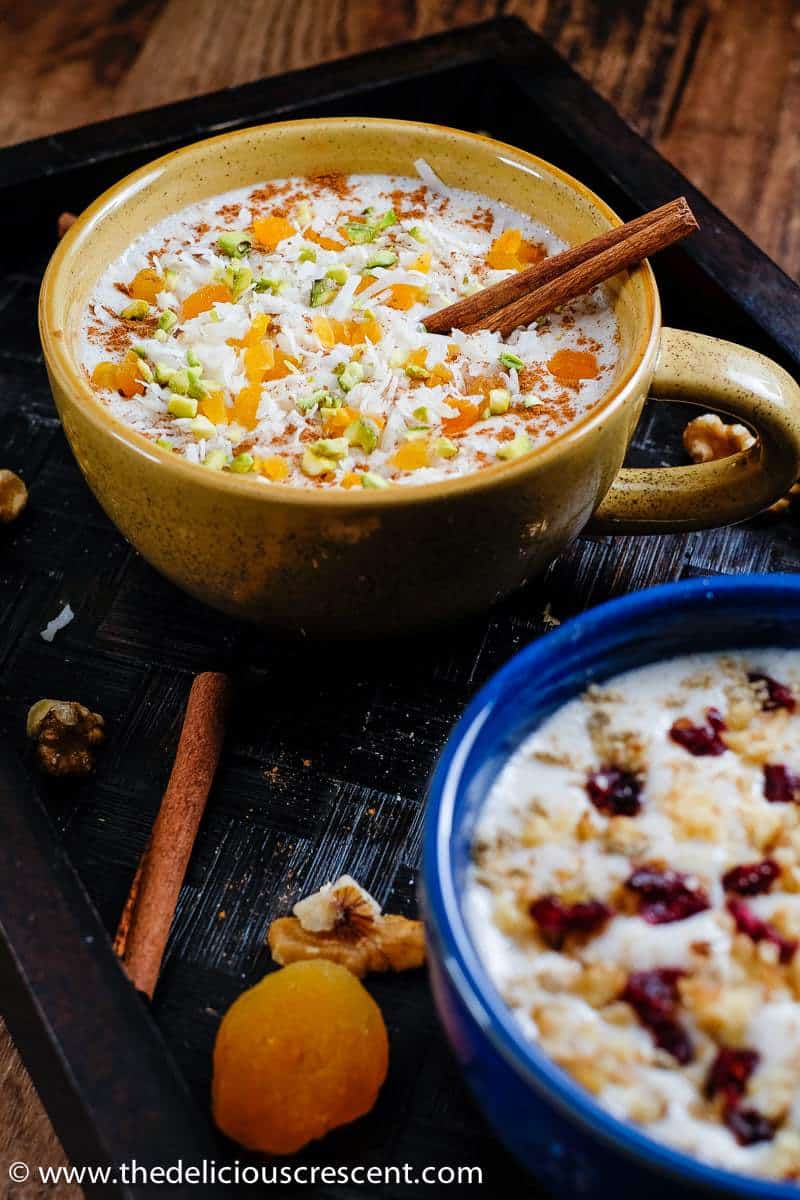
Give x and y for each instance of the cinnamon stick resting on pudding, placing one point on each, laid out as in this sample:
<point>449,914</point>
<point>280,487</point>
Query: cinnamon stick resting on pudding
<point>528,294</point>
<point>146,919</point>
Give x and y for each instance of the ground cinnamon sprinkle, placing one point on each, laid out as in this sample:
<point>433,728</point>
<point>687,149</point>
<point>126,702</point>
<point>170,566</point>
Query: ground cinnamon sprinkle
<point>229,212</point>
<point>334,182</point>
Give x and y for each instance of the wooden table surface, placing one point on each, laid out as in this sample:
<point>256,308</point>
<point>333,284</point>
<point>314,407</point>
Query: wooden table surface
<point>715,84</point>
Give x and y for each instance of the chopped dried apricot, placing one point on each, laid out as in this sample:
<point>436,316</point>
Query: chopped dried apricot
<point>411,456</point>
<point>245,408</point>
<point>468,414</point>
<point>146,284</point>
<point>325,243</point>
<point>270,231</point>
<point>258,329</point>
<point>404,296</point>
<point>282,366</point>
<point>364,282</point>
<point>104,375</point>
<point>258,360</point>
<point>511,252</point>
<point>299,1054</point>
<point>129,378</point>
<point>569,367</point>
<point>213,406</point>
<point>205,298</point>
<point>274,467</point>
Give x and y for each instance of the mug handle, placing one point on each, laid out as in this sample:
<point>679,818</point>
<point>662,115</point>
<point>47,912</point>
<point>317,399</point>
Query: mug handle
<point>695,368</point>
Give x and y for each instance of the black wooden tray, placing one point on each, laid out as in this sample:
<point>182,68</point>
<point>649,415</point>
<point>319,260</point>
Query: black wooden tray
<point>323,772</point>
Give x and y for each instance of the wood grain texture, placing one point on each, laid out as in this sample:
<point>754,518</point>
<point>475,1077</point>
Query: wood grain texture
<point>714,83</point>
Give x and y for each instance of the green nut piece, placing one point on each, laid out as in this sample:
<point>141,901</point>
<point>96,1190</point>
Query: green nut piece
<point>352,375</point>
<point>335,448</point>
<point>234,244</point>
<point>215,460</point>
<point>307,404</point>
<point>338,274</point>
<point>362,432</point>
<point>413,371</point>
<point>164,444</point>
<point>313,464</point>
<point>307,255</point>
<point>178,381</point>
<point>201,427</point>
<point>382,258</point>
<point>193,360</point>
<point>242,463</point>
<point>359,232</point>
<point>417,234</point>
<point>507,359</point>
<point>499,401</point>
<point>162,372</point>
<point>370,480</point>
<point>422,415</point>
<point>145,371</point>
<point>195,387</point>
<point>322,292</point>
<point>242,278</point>
<point>181,406</point>
<point>445,448</point>
<point>388,218</point>
<point>167,321</point>
<point>135,311</point>
<point>521,444</point>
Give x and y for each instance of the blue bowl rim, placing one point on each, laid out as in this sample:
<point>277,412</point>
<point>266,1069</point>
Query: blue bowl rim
<point>459,959</point>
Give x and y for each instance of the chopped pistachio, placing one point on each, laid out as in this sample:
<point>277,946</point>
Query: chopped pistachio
<point>242,463</point>
<point>421,414</point>
<point>338,274</point>
<point>382,258</point>
<point>193,360</point>
<point>445,448</point>
<point>499,401</point>
<point>214,316</point>
<point>234,244</point>
<point>276,286</point>
<point>507,359</point>
<point>521,444</point>
<point>414,371</point>
<point>388,218</point>
<point>417,234</point>
<point>370,480</point>
<point>313,464</point>
<point>322,292</point>
<point>135,311</point>
<point>162,372</point>
<point>161,335</point>
<point>139,351</point>
<point>182,406</point>
<point>145,371</point>
<point>178,381</point>
<point>201,427</point>
<point>362,432</point>
<point>168,320</point>
<point>164,443</point>
<point>359,232</point>
<point>307,255</point>
<point>531,402</point>
<point>330,447</point>
<point>306,404</point>
<point>352,374</point>
<point>216,459</point>
<point>242,278</point>
<point>196,387</point>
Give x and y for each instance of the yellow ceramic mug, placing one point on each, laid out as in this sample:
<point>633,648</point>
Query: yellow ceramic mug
<point>341,563</point>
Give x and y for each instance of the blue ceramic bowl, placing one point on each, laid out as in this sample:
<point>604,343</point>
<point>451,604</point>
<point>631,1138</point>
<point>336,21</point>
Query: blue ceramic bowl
<point>546,1119</point>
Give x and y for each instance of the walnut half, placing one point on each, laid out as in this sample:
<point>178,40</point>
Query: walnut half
<point>344,924</point>
<point>65,733</point>
<point>708,438</point>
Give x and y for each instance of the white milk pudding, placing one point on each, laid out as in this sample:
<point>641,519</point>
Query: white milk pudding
<point>635,898</point>
<point>274,331</point>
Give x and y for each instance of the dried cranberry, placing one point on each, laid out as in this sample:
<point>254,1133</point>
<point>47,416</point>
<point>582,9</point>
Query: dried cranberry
<point>556,919</point>
<point>730,1072</point>
<point>750,879</point>
<point>700,739</point>
<point>781,784</point>
<point>779,695</point>
<point>760,931</point>
<point>653,996</point>
<point>748,1125</point>
<point>614,791</point>
<point>665,895</point>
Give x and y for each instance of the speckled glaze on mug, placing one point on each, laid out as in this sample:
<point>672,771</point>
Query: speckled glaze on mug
<point>356,563</point>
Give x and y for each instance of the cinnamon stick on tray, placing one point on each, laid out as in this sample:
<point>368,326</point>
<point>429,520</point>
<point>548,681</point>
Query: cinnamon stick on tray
<point>521,298</point>
<point>146,919</point>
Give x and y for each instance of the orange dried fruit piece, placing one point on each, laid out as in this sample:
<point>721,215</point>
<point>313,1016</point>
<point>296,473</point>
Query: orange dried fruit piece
<point>258,359</point>
<point>569,367</point>
<point>299,1054</point>
<point>205,298</point>
<point>511,252</point>
<point>146,284</point>
<point>269,232</point>
<point>404,296</point>
<point>411,456</point>
<point>325,243</point>
<point>245,407</point>
<point>468,414</point>
<point>273,467</point>
<point>105,376</point>
<point>213,406</point>
<point>129,378</point>
<point>342,923</point>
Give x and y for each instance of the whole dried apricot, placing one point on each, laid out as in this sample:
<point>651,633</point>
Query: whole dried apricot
<point>302,1052</point>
